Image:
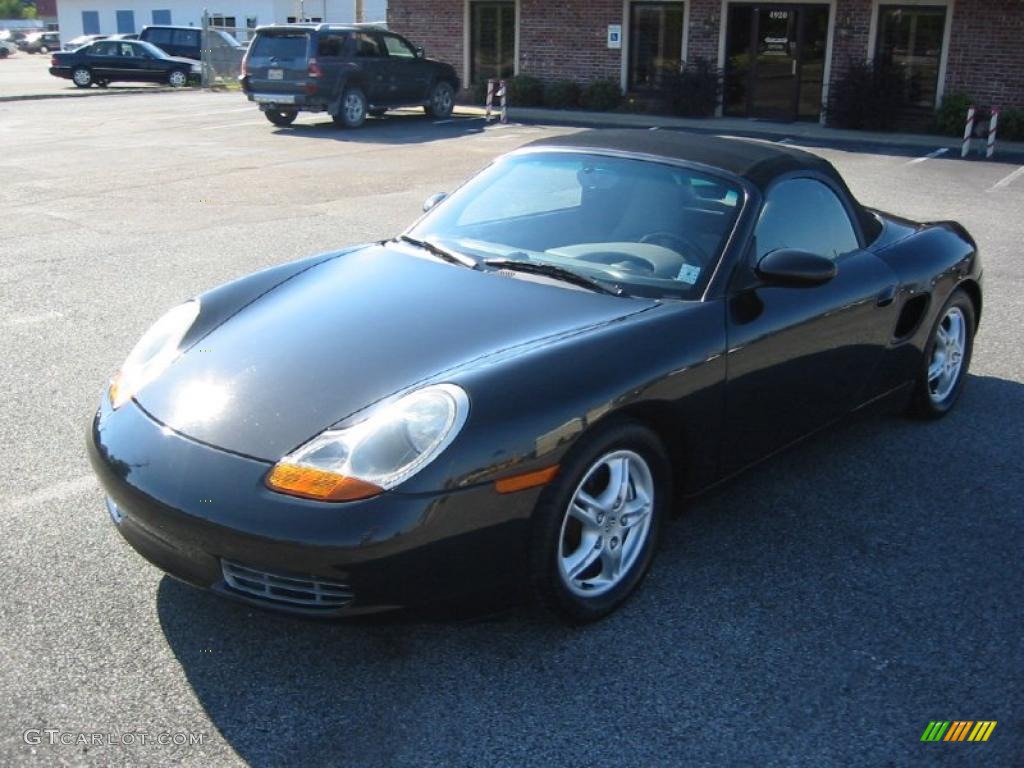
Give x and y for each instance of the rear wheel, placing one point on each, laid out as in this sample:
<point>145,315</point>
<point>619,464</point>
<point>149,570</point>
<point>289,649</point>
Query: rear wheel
<point>44,49</point>
<point>442,101</point>
<point>947,356</point>
<point>81,77</point>
<point>177,78</point>
<point>281,117</point>
<point>596,528</point>
<point>377,112</point>
<point>352,113</point>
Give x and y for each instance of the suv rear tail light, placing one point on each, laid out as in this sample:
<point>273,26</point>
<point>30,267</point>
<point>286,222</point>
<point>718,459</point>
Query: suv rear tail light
<point>314,68</point>
<point>53,61</point>
<point>245,67</point>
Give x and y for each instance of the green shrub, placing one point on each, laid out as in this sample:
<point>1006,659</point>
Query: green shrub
<point>601,95</point>
<point>524,91</point>
<point>562,94</point>
<point>950,117</point>
<point>1011,125</point>
<point>868,96</point>
<point>693,92</point>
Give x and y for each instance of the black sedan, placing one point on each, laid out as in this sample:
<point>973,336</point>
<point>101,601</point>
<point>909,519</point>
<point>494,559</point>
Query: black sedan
<point>516,392</point>
<point>107,61</point>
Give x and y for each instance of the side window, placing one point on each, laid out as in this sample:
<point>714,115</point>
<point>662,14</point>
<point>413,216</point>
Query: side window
<point>186,37</point>
<point>330,44</point>
<point>398,48</point>
<point>104,49</point>
<point>159,36</point>
<point>367,46</point>
<point>804,214</point>
<point>128,50</point>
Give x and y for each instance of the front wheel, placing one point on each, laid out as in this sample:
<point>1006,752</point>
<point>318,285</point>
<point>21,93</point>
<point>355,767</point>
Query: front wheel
<point>442,101</point>
<point>281,117</point>
<point>81,77</point>
<point>177,78</point>
<point>947,356</point>
<point>352,113</point>
<point>44,49</point>
<point>596,528</point>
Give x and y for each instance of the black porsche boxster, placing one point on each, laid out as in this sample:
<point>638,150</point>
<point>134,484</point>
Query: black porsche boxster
<point>518,390</point>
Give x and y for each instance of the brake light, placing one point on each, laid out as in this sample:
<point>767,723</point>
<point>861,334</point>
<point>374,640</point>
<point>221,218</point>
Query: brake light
<point>53,61</point>
<point>314,69</point>
<point>245,67</point>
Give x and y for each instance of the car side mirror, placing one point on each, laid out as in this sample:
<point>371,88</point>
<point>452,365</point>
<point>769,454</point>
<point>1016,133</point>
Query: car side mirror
<point>433,200</point>
<point>793,267</point>
<point>420,52</point>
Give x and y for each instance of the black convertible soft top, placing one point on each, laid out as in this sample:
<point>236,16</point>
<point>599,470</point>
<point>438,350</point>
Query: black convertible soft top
<point>760,162</point>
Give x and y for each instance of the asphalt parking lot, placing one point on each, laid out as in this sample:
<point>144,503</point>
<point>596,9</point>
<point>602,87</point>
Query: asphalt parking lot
<point>819,611</point>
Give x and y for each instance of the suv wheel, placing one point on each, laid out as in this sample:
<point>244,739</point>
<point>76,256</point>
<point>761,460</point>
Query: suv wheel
<point>352,113</point>
<point>44,49</point>
<point>81,77</point>
<point>442,101</point>
<point>281,117</point>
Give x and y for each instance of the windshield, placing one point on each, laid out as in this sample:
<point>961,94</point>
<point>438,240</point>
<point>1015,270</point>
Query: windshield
<point>653,229</point>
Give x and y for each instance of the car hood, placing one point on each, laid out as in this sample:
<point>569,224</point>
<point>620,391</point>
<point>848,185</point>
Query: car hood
<point>348,332</point>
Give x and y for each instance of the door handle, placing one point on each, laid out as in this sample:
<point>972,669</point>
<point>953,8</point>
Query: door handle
<point>885,298</point>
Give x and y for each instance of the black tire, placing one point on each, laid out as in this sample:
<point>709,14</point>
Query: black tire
<point>81,77</point>
<point>352,109</point>
<point>926,402</point>
<point>281,117</point>
<point>102,83</point>
<point>177,78</point>
<point>546,542</point>
<point>377,112</point>
<point>44,49</point>
<point>442,101</point>
<point>3,53</point>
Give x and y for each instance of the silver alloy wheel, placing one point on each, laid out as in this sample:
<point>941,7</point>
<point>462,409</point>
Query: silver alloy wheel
<point>947,355</point>
<point>177,78</point>
<point>442,100</point>
<point>81,77</point>
<point>606,525</point>
<point>353,107</point>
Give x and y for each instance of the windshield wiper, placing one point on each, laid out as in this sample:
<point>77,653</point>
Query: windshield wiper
<point>559,273</point>
<point>449,256</point>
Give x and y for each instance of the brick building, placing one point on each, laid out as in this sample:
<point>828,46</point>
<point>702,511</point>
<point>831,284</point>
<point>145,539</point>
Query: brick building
<point>779,58</point>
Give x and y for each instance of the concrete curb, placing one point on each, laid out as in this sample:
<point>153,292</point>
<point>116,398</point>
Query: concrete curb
<point>810,132</point>
<point>84,94</point>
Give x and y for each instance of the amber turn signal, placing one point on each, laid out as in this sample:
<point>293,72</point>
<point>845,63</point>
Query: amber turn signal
<point>526,480</point>
<point>310,483</point>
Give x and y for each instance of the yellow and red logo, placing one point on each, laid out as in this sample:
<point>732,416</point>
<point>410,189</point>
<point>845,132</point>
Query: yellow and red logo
<point>958,730</point>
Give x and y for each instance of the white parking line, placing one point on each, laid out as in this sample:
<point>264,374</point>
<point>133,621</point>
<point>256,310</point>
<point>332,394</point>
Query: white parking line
<point>1007,180</point>
<point>26,319</point>
<point>231,125</point>
<point>929,156</point>
<point>50,493</point>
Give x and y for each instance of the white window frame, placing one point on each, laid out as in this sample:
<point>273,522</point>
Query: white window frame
<point>826,75</point>
<point>947,34</point>
<point>626,15</point>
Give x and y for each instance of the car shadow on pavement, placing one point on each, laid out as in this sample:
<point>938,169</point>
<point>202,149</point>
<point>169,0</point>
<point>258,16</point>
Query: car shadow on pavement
<point>830,586</point>
<point>392,128</point>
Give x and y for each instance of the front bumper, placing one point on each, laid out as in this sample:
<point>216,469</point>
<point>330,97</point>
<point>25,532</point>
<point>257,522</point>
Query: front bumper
<point>188,508</point>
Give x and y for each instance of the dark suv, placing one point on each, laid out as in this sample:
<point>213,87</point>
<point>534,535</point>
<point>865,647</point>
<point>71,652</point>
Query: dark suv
<point>346,71</point>
<point>225,51</point>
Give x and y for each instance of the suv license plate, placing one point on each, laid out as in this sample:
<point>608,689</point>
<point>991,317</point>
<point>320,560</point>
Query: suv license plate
<point>275,98</point>
<point>275,74</point>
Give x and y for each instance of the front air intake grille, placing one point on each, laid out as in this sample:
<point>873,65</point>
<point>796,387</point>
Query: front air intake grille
<point>284,588</point>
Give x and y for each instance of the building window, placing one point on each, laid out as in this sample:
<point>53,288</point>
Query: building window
<point>219,20</point>
<point>125,22</point>
<point>492,40</point>
<point>90,22</point>
<point>655,43</point>
<point>161,17</point>
<point>910,39</point>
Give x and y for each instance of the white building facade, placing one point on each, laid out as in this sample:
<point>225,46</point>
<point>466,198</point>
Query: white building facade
<point>107,17</point>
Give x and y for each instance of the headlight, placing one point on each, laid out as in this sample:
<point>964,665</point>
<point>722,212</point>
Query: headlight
<point>156,350</point>
<point>197,68</point>
<point>390,446</point>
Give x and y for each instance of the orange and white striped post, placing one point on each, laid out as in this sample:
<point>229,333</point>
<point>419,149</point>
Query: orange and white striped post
<point>968,130</point>
<point>993,125</point>
<point>490,100</point>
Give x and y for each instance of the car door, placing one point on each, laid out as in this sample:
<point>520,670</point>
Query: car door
<point>800,356</point>
<point>371,57</point>
<point>147,66</point>
<point>407,74</point>
<point>103,60</point>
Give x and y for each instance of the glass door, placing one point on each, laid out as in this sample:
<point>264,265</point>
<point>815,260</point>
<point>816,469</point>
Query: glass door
<point>775,60</point>
<point>655,43</point>
<point>492,36</point>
